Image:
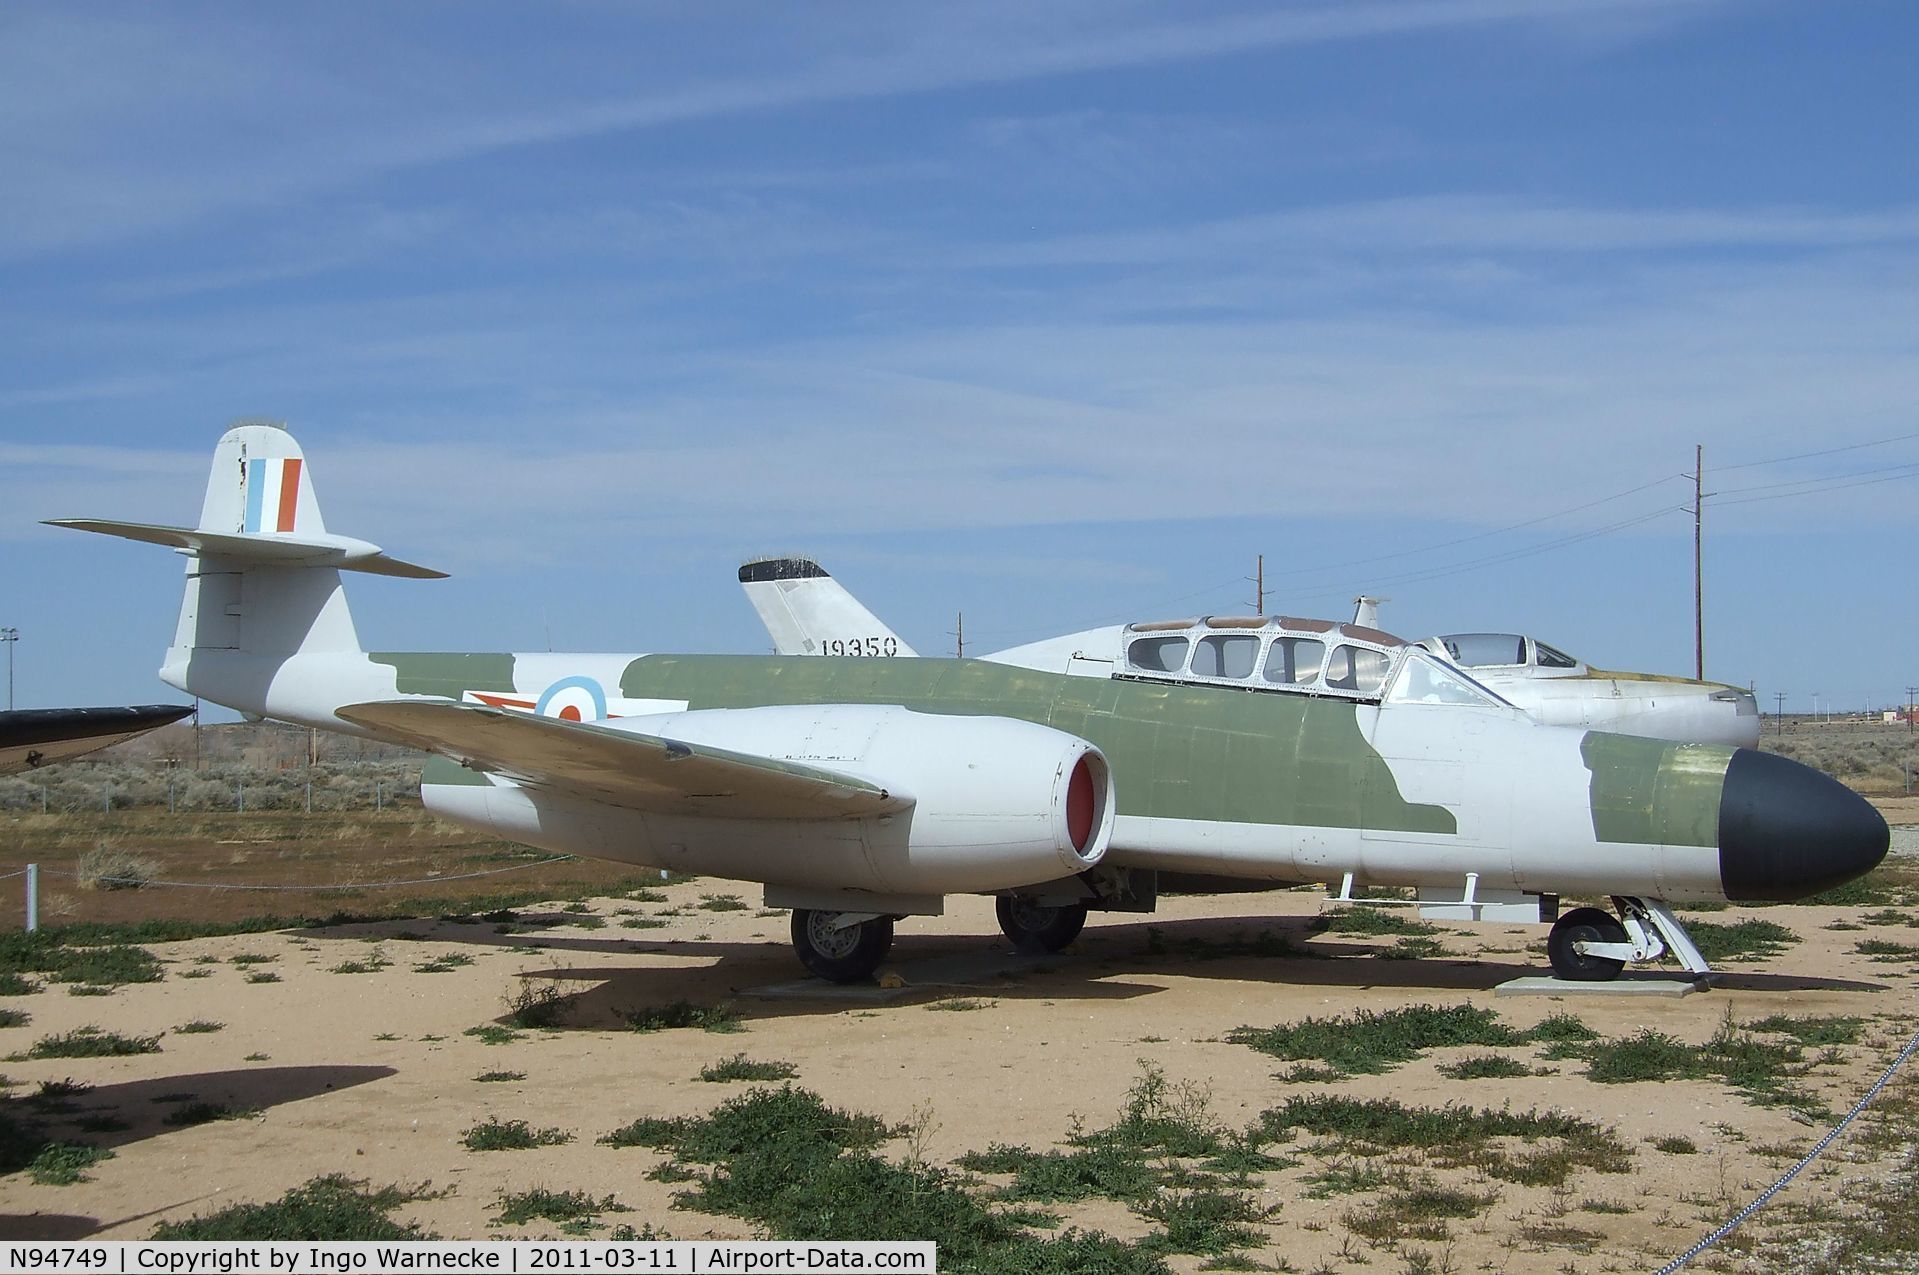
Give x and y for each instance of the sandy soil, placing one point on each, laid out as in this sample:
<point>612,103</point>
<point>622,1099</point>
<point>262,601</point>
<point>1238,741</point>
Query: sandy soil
<point>370,1074</point>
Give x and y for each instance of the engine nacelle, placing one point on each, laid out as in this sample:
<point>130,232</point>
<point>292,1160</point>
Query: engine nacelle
<point>997,803</point>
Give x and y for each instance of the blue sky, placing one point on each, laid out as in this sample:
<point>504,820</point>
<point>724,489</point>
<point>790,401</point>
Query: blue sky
<point>1054,314</point>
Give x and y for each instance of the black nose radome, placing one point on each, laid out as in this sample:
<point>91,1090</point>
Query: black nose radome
<point>1787,831</point>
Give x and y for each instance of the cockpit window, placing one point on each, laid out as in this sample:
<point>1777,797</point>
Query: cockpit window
<point>1226,655</point>
<point>1424,681</point>
<point>1294,661</point>
<point>1546,657</point>
<point>1356,668</point>
<point>1158,654</point>
<point>1482,650</point>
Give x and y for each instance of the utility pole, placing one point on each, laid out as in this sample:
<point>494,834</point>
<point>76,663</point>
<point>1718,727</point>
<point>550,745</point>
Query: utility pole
<point>1910,692</point>
<point>10,637</point>
<point>959,635</point>
<point>1779,712</point>
<point>1698,544</point>
<point>1259,585</point>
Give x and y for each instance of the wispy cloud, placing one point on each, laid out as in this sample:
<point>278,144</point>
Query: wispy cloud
<point>101,113</point>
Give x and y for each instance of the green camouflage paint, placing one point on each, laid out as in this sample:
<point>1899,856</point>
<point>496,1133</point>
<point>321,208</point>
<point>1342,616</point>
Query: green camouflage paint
<point>444,770</point>
<point>1654,791</point>
<point>1178,752</point>
<point>446,674</point>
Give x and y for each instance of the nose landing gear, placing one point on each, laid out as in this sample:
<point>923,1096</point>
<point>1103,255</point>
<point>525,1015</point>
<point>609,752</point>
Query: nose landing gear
<point>1589,945</point>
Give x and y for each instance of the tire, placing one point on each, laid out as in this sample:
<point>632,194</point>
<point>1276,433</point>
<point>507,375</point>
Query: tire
<point>1592,925</point>
<point>848,955</point>
<point>1038,929</point>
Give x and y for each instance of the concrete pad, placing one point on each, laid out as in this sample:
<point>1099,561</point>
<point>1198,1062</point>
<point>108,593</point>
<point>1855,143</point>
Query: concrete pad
<point>968,969</point>
<point>1625,985</point>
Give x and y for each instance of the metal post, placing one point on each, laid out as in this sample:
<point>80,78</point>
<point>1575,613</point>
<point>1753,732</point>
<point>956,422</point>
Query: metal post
<point>379,795</point>
<point>106,797</point>
<point>243,798</point>
<point>309,796</point>
<point>33,897</point>
<point>43,799</point>
<point>10,636</point>
<point>169,794</point>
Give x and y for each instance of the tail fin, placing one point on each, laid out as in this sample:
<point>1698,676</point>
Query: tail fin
<point>808,612</point>
<point>263,572</point>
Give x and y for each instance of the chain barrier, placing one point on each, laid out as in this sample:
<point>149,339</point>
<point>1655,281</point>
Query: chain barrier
<point>1765,1196</point>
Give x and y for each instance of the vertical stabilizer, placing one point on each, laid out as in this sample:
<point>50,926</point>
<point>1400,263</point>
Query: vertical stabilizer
<point>808,612</point>
<point>260,485</point>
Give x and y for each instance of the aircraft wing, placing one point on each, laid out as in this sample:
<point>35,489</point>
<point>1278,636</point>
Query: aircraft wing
<point>624,768</point>
<point>32,737</point>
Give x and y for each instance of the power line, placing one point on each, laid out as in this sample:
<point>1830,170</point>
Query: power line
<point>1829,451</point>
<point>1833,484</point>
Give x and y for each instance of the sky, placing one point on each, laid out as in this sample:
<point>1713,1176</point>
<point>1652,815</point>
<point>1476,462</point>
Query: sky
<point>1047,315</point>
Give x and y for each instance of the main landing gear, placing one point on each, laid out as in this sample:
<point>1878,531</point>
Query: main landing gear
<point>1590,945</point>
<point>1034,927</point>
<point>841,947</point>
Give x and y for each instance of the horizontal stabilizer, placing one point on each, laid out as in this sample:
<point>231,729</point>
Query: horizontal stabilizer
<point>343,553</point>
<point>32,737</point>
<point>624,768</point>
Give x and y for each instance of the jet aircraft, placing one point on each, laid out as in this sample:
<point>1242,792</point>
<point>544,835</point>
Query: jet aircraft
<point>31,737</point>
<point>861,791</point>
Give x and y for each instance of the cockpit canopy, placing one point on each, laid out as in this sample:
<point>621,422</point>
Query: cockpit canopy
<point>1280,653</point>
<point>1500,651</point>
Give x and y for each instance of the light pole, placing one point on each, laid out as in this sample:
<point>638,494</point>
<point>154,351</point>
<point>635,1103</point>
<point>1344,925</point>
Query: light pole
<point>9,636</point>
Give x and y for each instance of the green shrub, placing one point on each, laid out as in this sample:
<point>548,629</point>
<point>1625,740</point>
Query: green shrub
<point>65,1163</point>
<point>740,1067</point>
<point>108,966</point>
<point>1368,1043</point>
<point>1203,1221</point>
<point>1372,921</point>
<point>194,1113</point>
<point>1743,940</point>
<point>494,1134</point>
<point>334,1207</point>
<point>713,1018</point>
<point>537,1006</point>
<point>93,1042</point>
<point>554,1206</point>
<point>1457,1135</point>
<point>1485,1067</point>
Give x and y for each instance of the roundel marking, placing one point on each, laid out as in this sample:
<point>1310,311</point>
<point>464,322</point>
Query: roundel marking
<point>573,699</point>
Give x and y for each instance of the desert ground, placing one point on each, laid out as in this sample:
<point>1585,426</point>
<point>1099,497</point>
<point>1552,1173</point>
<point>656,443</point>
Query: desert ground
<point>379,1049</point>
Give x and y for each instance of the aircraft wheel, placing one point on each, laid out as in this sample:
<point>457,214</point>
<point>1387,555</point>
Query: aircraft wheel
<point>840,955</point>
<point>1033,927</point>
<point>1592,925</point>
